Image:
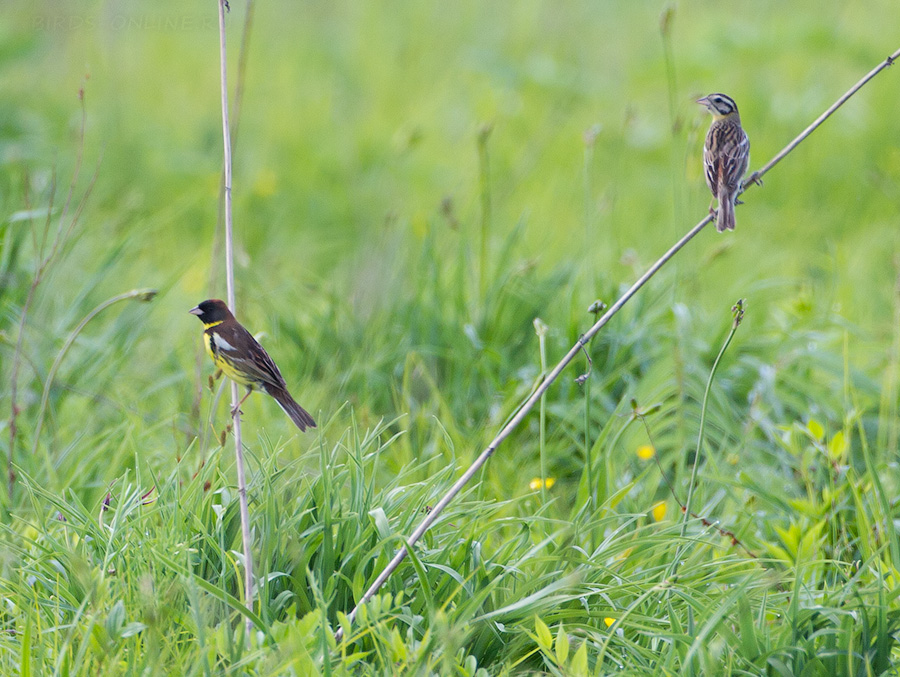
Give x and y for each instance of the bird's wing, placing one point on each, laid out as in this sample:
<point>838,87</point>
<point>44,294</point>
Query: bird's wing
<point>236,345</point>
<point>734,157</point>
<point>711,164</point>
<point>725,156</point>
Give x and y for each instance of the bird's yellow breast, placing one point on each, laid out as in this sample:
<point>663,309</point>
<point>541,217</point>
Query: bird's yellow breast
<point>227,367</point>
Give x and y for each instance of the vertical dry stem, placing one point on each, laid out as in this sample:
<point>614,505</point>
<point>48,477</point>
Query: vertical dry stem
<point>229,274</point>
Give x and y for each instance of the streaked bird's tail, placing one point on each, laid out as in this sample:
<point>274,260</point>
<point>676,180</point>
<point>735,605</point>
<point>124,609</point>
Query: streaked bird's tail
<point>725,217</point>
<point>298,414</point>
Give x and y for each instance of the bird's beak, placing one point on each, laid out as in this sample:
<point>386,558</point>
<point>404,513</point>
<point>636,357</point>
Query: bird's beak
<point>195,311</point>
<point>704,101</point>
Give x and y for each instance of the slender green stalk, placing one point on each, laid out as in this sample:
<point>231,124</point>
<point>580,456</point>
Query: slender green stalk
<point>883,495</point>
<point>666,19</point>
<point>16,361</point>
<point>595,309</point>
<point>887,411</point>
<point>590,140</point>
<point>738,312</point>
<point>541,329</point>
<point>676,157</point>
<point>140,295</point>
<point>608,458</point>
<point>484,173</point>
<point>42,263</point>
<point>588,469</point>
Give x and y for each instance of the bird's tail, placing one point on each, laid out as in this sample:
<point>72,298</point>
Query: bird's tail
<point>725,217</point>
<point>298,414</point>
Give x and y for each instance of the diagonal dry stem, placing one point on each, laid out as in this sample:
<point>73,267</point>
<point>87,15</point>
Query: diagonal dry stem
<point>598,325</point>
<point>757,175</point>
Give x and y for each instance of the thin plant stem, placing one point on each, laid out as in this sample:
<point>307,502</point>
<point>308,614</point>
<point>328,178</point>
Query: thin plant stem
<point>541,330</point>
<point>607,457</point>
<point>688,502</point>
<point>588,469</point>
<point>234,123</point>
<point>887,411</point>
<point>588,465</point>
<point>666,20</point>
<point>16,361</point>
<point>596,308</point>
<point>590,140</point>
<point>42,264</point>
<point>529,403</point>
<point>485,185</point>
<point>229,278</point>
<point>140,295</point>
<point>885,501</point>
<point>738,312</point>
<point>216,249</point>
<point>676,158</point>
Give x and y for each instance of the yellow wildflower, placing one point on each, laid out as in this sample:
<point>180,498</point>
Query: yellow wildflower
<point>646,452</point>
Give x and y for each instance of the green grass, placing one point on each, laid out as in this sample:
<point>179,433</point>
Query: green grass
<point>414,186</point>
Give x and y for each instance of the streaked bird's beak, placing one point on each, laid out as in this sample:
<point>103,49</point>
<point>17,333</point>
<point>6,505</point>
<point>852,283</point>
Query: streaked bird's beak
<point>195,311</point>
<point>704,101</point>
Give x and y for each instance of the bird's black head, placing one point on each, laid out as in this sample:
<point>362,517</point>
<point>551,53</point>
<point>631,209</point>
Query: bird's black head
<point>719,105</point>
<point>211,311</point>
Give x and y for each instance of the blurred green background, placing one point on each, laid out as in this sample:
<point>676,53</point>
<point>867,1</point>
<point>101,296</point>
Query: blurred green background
<point>358,143</point>
<point>359,191</point>
<point>414,184</point>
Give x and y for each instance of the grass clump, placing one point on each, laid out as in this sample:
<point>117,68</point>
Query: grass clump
<point>396,247</point>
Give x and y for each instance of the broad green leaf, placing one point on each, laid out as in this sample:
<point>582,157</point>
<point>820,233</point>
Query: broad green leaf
<point>116,619</point>
<point>562,645</point>
<point>815,429</point>
<point>579,665</point>
<point>381,522</point>
<point>545,639</point>
<point>397,645</point>
<point>837,446</point>
<point>747,628</point>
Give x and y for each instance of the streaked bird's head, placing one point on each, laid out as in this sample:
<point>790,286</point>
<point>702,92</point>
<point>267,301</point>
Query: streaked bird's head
<point>720,105</point>
<point>211,311</point>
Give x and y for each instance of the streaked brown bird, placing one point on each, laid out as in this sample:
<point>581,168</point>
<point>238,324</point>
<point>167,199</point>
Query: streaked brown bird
<point>726,156</point>
<point>240,357</point>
